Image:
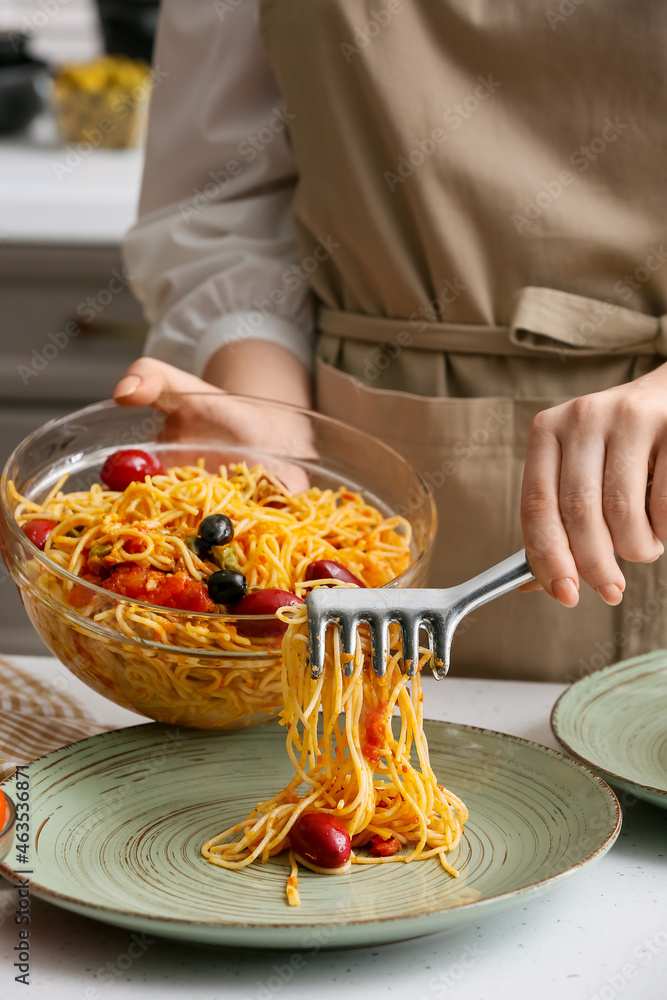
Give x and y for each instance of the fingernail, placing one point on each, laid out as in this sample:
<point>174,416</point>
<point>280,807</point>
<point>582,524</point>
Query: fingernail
<point>127,385</point>
<point>610,593</point>
<point>565,591</point>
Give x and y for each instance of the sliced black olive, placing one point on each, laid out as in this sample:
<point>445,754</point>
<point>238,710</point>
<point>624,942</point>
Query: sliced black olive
<point>226,586</point>
<point>216,529</point>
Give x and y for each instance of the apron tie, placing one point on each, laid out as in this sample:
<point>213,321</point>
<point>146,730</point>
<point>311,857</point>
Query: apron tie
<point>545,321</point>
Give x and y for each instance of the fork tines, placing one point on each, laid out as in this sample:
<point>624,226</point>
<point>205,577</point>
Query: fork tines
<point>347,609</point>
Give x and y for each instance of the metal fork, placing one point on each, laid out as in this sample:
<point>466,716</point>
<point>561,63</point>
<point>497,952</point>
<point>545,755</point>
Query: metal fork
<point>438,612</point>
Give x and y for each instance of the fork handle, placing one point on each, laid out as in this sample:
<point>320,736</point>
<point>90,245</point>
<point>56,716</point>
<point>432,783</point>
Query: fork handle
<point>494,582</point>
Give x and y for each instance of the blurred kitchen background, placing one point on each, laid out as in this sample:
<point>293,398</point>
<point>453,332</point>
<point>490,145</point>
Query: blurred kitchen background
<point>69,326</point>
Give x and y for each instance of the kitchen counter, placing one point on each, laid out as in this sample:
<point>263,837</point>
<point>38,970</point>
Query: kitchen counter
<point>598,935</point>
<point>70,195</point>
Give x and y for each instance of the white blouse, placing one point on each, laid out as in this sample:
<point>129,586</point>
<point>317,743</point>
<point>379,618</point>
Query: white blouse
<point>213,256</point>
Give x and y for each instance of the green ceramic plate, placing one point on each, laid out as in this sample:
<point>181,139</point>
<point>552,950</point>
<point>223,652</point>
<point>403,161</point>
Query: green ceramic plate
<point>120,818</point>
<point>615,720</point>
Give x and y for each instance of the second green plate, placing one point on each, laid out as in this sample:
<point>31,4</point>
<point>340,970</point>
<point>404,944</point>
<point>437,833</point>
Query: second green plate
<point>615,721</point>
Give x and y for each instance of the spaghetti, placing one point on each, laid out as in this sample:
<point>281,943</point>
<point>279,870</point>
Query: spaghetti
<point>140,626</point>
<point>353,767</point>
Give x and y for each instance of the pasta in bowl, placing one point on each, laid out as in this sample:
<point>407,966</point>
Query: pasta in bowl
<point>157,584</point>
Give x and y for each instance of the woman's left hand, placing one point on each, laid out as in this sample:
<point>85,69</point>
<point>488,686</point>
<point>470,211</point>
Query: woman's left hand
<point>588,466</point>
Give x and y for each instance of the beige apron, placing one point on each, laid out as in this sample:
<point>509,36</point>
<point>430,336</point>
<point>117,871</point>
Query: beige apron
<point>480,211</point>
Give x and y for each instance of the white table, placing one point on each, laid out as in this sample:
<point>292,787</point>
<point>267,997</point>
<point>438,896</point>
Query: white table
<point>601,934</point>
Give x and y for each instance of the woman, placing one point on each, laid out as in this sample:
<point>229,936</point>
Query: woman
<point>465,201</point>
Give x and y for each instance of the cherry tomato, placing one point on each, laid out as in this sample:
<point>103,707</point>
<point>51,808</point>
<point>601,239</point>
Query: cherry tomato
<point>264,602</point>
<point>322,839</point>
<point>326,569</point>
<point>38,531</point>
<point>384,848</point>
<point>129,466</point>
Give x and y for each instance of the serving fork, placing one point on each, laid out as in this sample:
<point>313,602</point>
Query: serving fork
<point>438,612</point>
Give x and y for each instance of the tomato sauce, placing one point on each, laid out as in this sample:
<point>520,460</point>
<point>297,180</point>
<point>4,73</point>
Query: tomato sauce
<point>374,733</point>
<point>167,590</point>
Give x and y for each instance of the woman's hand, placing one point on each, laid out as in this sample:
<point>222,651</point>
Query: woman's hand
<point>196,409</point>
<point>588,466</point>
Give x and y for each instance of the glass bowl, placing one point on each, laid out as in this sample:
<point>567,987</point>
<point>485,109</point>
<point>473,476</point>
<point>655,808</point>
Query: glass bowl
<point>189,683</point>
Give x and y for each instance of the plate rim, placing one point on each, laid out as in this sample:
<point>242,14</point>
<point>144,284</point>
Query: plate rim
<point>591,680</point>
<point>608,842</point>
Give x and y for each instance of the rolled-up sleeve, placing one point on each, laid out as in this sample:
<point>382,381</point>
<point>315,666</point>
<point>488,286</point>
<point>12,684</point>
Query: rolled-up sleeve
<point>213,256</point>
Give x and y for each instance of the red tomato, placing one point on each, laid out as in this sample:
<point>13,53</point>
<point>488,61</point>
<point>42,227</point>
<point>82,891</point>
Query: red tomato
<point>264,602</point>
<point>4,810</point>
<point>321,839</point>
<point>167,590</point>
<point>38,531</point>
<point>326,569</point>
<point>384,848</point>
<point>178,590</point>
<point>129,466</point>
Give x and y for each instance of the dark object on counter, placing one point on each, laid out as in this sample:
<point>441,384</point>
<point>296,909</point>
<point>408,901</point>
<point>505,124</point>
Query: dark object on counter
<point>22,83</point>
<point>128,27</point>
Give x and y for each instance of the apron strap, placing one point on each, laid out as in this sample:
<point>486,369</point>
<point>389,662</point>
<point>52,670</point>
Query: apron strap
<point>545,321</point>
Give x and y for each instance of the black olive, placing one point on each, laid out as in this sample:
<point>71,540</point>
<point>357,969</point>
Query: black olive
<point>216,529</point>
<point>227,586</point>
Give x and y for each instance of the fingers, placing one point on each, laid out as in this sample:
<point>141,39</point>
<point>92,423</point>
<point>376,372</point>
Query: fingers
<point>147,379</point>
<point>584,491</point>
<point>545,537</point>
<point>581,503</point>
<point>658,497</point>
<point>624,494</point>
